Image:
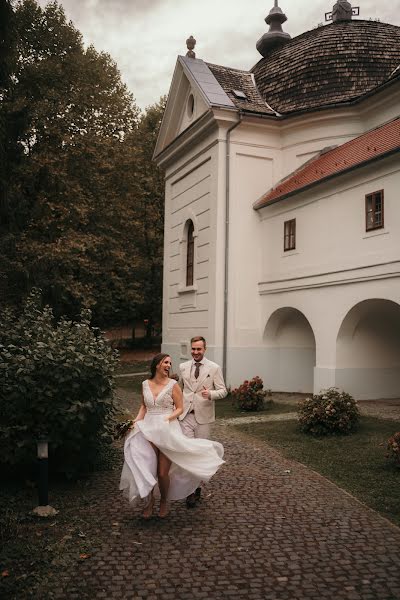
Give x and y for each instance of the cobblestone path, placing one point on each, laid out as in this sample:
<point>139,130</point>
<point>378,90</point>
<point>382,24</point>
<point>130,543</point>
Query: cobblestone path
<point>267,529</point>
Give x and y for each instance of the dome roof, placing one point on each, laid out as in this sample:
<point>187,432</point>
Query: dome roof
<point>328,65</point>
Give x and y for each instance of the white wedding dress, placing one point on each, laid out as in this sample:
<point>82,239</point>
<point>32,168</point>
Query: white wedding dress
<point>192,460</point>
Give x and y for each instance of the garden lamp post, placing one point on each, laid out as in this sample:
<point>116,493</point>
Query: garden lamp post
<point>43,510</point>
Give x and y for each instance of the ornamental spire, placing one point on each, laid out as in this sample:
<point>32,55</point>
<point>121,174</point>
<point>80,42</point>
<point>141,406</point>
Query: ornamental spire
<point>190,44</point>
<point>342,11</point>
<point>275,36</point>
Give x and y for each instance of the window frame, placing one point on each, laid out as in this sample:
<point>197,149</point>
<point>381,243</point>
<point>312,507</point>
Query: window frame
<point>373,226</point>
<point>289,235</point>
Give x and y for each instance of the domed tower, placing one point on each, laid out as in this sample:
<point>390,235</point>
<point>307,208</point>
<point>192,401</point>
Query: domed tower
<point>329,65</point>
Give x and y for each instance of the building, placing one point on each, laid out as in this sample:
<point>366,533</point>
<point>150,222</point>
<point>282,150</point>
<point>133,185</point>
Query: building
<point>282,215</point>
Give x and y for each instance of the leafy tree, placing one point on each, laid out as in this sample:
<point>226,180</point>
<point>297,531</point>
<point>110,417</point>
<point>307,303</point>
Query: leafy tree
<point>84,217</point>
<point>68,218</point>
<point>148,186</point>
<point>8,49</point>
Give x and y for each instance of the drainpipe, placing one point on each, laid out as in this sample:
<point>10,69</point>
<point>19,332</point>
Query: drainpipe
<point>226,274</point>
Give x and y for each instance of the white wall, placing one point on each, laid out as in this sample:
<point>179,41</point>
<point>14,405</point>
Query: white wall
<point>336,264</point>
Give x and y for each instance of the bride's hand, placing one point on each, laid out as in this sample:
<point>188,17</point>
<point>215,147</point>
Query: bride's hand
<point>167,419</point>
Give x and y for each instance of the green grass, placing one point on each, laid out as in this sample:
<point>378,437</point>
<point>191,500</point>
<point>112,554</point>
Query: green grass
<point>355,462</point>
<point>225,409</point>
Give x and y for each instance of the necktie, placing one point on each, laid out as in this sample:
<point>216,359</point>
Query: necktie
<point>197,370</point>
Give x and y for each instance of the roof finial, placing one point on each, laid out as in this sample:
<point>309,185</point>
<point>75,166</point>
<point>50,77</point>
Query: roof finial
<point>342,11</point>
<point>275,35</point>
<point>190,44</point>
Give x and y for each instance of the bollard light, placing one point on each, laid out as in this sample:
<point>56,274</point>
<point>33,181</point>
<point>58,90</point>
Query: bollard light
<point>43,510</point>
<point>43,480</point>
<point>43,449</point>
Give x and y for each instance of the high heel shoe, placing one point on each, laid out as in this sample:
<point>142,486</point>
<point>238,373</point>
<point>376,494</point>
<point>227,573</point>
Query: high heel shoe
<point>164,510</point>
<point>148,509</point>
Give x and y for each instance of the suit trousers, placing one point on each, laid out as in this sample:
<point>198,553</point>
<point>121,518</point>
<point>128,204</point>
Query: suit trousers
<point>192,429</point>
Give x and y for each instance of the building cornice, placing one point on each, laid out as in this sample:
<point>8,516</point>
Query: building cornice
<point>211,119</point>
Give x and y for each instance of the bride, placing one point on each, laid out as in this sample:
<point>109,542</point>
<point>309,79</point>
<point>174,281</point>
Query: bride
<point>156,450</point>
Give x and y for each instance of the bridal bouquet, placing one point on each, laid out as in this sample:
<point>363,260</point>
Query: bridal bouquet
<point>121,429</point>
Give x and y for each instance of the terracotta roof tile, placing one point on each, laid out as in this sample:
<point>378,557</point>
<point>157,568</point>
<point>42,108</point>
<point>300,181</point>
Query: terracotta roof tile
<point>356,153</point>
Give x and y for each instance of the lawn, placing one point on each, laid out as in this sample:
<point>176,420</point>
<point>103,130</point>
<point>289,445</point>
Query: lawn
<point>129,393</point>
<point>225,409</point>
<point>355,462</point>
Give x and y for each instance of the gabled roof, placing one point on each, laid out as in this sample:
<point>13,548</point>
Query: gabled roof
<point>200,74</point>
<point>190,74</point>
<point>235,79</point>
<point>370,146</point>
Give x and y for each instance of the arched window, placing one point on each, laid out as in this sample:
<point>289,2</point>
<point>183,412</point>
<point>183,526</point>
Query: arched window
<point>190,254</point>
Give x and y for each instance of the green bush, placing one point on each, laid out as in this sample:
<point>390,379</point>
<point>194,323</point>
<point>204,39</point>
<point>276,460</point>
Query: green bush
<point>250,395</point>
<point>56,378</point>
<point>329,412</point>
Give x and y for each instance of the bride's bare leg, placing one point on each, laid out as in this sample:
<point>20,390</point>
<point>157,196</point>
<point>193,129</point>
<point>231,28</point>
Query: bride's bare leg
<point>148,509</point>
<point>164,465</point>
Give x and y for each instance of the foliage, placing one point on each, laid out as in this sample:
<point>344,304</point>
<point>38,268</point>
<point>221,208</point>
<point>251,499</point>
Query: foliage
<point>393,448</point>
<point>7,64</point>
<point>250,395</point>
<point>56,378</point>
<point>331,411</point>
<point>84,213</point>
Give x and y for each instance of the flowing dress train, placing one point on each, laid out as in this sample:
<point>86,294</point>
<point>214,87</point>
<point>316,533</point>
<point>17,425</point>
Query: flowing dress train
<point>192,460</point>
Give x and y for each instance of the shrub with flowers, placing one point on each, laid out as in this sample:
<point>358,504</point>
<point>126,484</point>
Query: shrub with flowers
<point>393,448</point>
<point>329,412</point>
<point>250,395</point>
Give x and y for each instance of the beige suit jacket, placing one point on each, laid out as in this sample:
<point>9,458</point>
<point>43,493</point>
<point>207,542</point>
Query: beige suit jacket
<point>211,378</point>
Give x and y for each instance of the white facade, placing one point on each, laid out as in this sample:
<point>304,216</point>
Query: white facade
<point>325,314</point>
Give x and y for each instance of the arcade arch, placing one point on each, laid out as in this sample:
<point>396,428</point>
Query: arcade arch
<point>291,342</point>
<point>368,350</point>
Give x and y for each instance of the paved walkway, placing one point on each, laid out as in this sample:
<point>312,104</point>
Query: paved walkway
<point>267,529</point>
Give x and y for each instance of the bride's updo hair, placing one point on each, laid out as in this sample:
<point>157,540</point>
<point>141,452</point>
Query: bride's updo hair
<point>155,362</point>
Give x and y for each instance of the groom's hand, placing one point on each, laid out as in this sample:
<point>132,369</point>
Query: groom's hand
<point>205,393</point>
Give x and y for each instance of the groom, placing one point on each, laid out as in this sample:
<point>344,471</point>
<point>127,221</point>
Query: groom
<point>202,383</point>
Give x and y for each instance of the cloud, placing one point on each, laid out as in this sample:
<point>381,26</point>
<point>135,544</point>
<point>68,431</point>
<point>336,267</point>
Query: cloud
<point>145,36</point>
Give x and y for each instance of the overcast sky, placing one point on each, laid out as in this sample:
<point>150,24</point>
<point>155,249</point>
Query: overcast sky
<point>145,36</point>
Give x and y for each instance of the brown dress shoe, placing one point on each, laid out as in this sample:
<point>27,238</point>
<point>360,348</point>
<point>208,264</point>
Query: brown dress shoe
<point>191,501</point>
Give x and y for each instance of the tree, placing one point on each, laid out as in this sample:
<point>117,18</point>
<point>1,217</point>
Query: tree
<point>148,199</point>
<point>8,50</point>
<point>85,205</point>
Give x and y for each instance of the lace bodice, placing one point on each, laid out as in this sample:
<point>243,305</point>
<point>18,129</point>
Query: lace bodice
<point>163,403</point>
